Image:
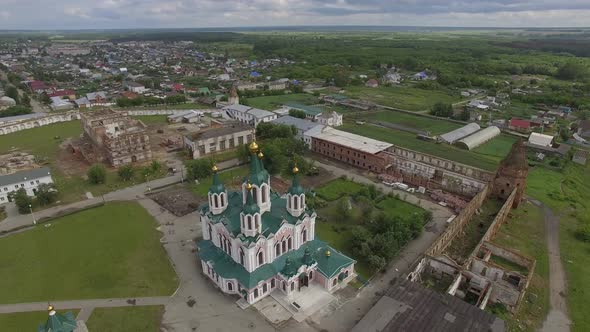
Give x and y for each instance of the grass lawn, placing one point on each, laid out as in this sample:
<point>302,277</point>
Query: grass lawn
<point>337,188</point>
<point>486,157</point>
<point>152,119</point>
<point>126,319</point>
<point>434,126</point>
<point>108,251</point>
<point>568,194</point>
<point>26,321</point>
<point>224,155</point>
<point>273,102</point>
<point>524,232</point>
<point>401,96</point>
<point>398,208</point>
<point>231,178</point>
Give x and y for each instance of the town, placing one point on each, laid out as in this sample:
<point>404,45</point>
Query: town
<point>263,181</point>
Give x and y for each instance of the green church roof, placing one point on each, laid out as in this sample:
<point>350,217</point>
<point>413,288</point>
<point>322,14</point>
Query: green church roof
<point>58,323</point>
<point>250,207</point>
<point>217,186</point>
<point>227,268</point>
<point>296,188</point>
<point>258,175</point>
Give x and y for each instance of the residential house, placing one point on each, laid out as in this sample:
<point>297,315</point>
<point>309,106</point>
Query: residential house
<point>98,99</point>
<point>520,125</point>
<point>243,86</point>
<point>39,87</point>
<point>332,119</point>
<point>276,85</point>
<point>135,87</point>
<point>69,94</point>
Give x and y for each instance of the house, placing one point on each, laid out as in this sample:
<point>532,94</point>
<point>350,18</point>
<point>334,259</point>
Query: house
<point>206,142</point>
<point>392,78</point>
<point>257,241</point>
<point>98,99</point>
<point>243,86</point>
<point>276,85</point>
<point>28,180</point>
<point>129,95</point>
<point>69,94</point>
<point>248,115</point>
<point>564,109</point>
<point>135,87</point>
<point>520,125</point>
<point>254,74</point>
<point>58,104</point>
<point>541,140</point>
<point>38,87</point>
<point>332,119</point>
<point>580,157</point>
<point>372,83</point>
<point>83,103</point>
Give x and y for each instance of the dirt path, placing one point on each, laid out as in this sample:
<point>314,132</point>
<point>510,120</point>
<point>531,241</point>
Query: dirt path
<point>557,319</point>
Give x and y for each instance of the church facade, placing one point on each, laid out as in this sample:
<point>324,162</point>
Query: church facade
<point>256,241</point>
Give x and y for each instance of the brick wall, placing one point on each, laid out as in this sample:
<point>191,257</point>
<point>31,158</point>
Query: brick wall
<point>357,158</point>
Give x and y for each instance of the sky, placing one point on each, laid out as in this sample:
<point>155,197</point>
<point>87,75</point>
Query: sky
<point>123,14</point>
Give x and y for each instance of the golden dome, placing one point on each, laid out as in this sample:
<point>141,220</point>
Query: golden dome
<point>295,170</point>
<point>249,186</point>
<point>328,253</point>
<point>50,308</point>
<point>214,168</point>
<point>253,147</point>
<point>260,155</point>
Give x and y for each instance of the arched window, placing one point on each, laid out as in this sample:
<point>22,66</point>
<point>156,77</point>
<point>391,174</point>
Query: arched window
<point>257,222</point>
<point>222,198</point>
<point>264,288</point>
<point>290,243</point>
<point>272,283</point>
<point>210,200</point>
<point>210,232</point>
<point>295,203</point>
<point>289,201</point>
<point>229,247</point>
<point>216,197</point>
<point>255,194</point>
<point>304,235</point>
<point>284,244</point>
<point>260,258</point>
<point>230,287</point>
<point>310,275</point>
<point>264,198</point>
<point>277,249</point>
<point>334,281</point>
<point>302,201</point>
<point>284,286</point>
<point>249,218</point>
<point>241,256</point>
<point>255,292</point>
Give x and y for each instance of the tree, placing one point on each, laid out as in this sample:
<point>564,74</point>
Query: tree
<point>376,261</point>
<point>46,193</point>
<point>571,71</point>
<point>297,113</point>
<point>564,133</point>
<point>97,174</point>
<point>22,200</point>
<point>198,169</point>
<point>12,92</point>
<point>25,100</point>
<point>343,208</point>
<point>442,110</point>
<point>126,172</point>
<point>45,99</point>
<point>268,130</point>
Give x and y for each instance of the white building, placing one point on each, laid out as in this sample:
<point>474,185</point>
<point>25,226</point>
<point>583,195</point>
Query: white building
<point>243,86</point>
<point>214,140</point>
<point>28,180</point>
<point>249,115</point>
<point>332,119</point>
<point>136,87</point>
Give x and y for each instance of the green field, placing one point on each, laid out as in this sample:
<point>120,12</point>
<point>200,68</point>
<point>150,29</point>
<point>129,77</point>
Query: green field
<point>26,321</point>
<point>486,157</point>
<point>152,119</point>
<point>398,208</point>
<point>524,233</point>
<point>401,96</point>
<point>568,194</point>
<point>126,319</point>
<point>434,126</point>
<point>337,188</point>
<point>273,102</point>
<point>108,251</point>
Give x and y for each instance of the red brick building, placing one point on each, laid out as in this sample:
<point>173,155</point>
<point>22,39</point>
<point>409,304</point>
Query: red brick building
<point>355,150</point>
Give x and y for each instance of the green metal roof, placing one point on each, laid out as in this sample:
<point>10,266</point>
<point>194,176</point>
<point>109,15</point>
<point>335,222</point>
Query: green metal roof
<point>311,110</point>
<point>227,268</point>
<point>59,323</point>
<point>296,188</point>
<point>258,175</point>
<point>217,186</point>
<point>250,207</point>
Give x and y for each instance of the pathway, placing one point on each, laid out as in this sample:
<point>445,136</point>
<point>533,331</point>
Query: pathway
<point>557,320</point>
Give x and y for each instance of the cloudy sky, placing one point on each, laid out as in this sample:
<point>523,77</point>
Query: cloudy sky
<point>108,14</point>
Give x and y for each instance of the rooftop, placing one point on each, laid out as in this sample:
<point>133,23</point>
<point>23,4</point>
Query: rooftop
<point>300,124</point>
<point>455,135</point>
<point>217,132</point>
<point>407,306</point>
<point>24,176</point>
<point>350,140</point>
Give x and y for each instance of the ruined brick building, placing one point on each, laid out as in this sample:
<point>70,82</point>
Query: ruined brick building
<point>512,174</point>
<point>113,137</point>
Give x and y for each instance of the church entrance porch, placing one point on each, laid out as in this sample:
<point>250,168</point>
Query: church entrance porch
<point>305,302</point>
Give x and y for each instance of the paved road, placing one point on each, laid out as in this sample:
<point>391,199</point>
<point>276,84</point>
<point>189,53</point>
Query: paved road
<point>557,320</point>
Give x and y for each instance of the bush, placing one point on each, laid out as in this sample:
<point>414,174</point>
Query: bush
<point>97,174</point>
<point>198,169</point>
<point>22,200</point>
<point>583,232</point>
<point>126,172</point>
<point>46,193</point>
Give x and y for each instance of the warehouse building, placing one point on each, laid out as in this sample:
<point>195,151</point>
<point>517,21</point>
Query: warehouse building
<point>474,140</point>
<point>457,134</point>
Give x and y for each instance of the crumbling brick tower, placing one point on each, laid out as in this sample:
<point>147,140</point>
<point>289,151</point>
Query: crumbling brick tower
<point>512,174</point>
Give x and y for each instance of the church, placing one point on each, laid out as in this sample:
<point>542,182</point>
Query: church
<point>256,241</point>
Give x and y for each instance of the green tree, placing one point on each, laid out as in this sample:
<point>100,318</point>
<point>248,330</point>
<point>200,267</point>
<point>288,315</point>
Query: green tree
<point>198,169</point>
<point>571,71</point>
<point>45,99</point>
<point>25,100</point>
<point>126,172</point>
<point>12,92</point>
<point>22,200</point>
<point>442,110</point>
<point>97,174</point>
<point>297,113</point>
<point>46,193</point>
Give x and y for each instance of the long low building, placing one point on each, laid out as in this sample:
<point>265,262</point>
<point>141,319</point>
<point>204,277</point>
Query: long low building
<point>355,150</point>
<point>28,180</point>
<point>457,134</point>
<point>214,140</point>
<point>248,115</point>
<point>474,140</point>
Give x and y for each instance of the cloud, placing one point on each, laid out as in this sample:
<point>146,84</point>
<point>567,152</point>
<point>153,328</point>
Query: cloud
<point>100,14</point>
